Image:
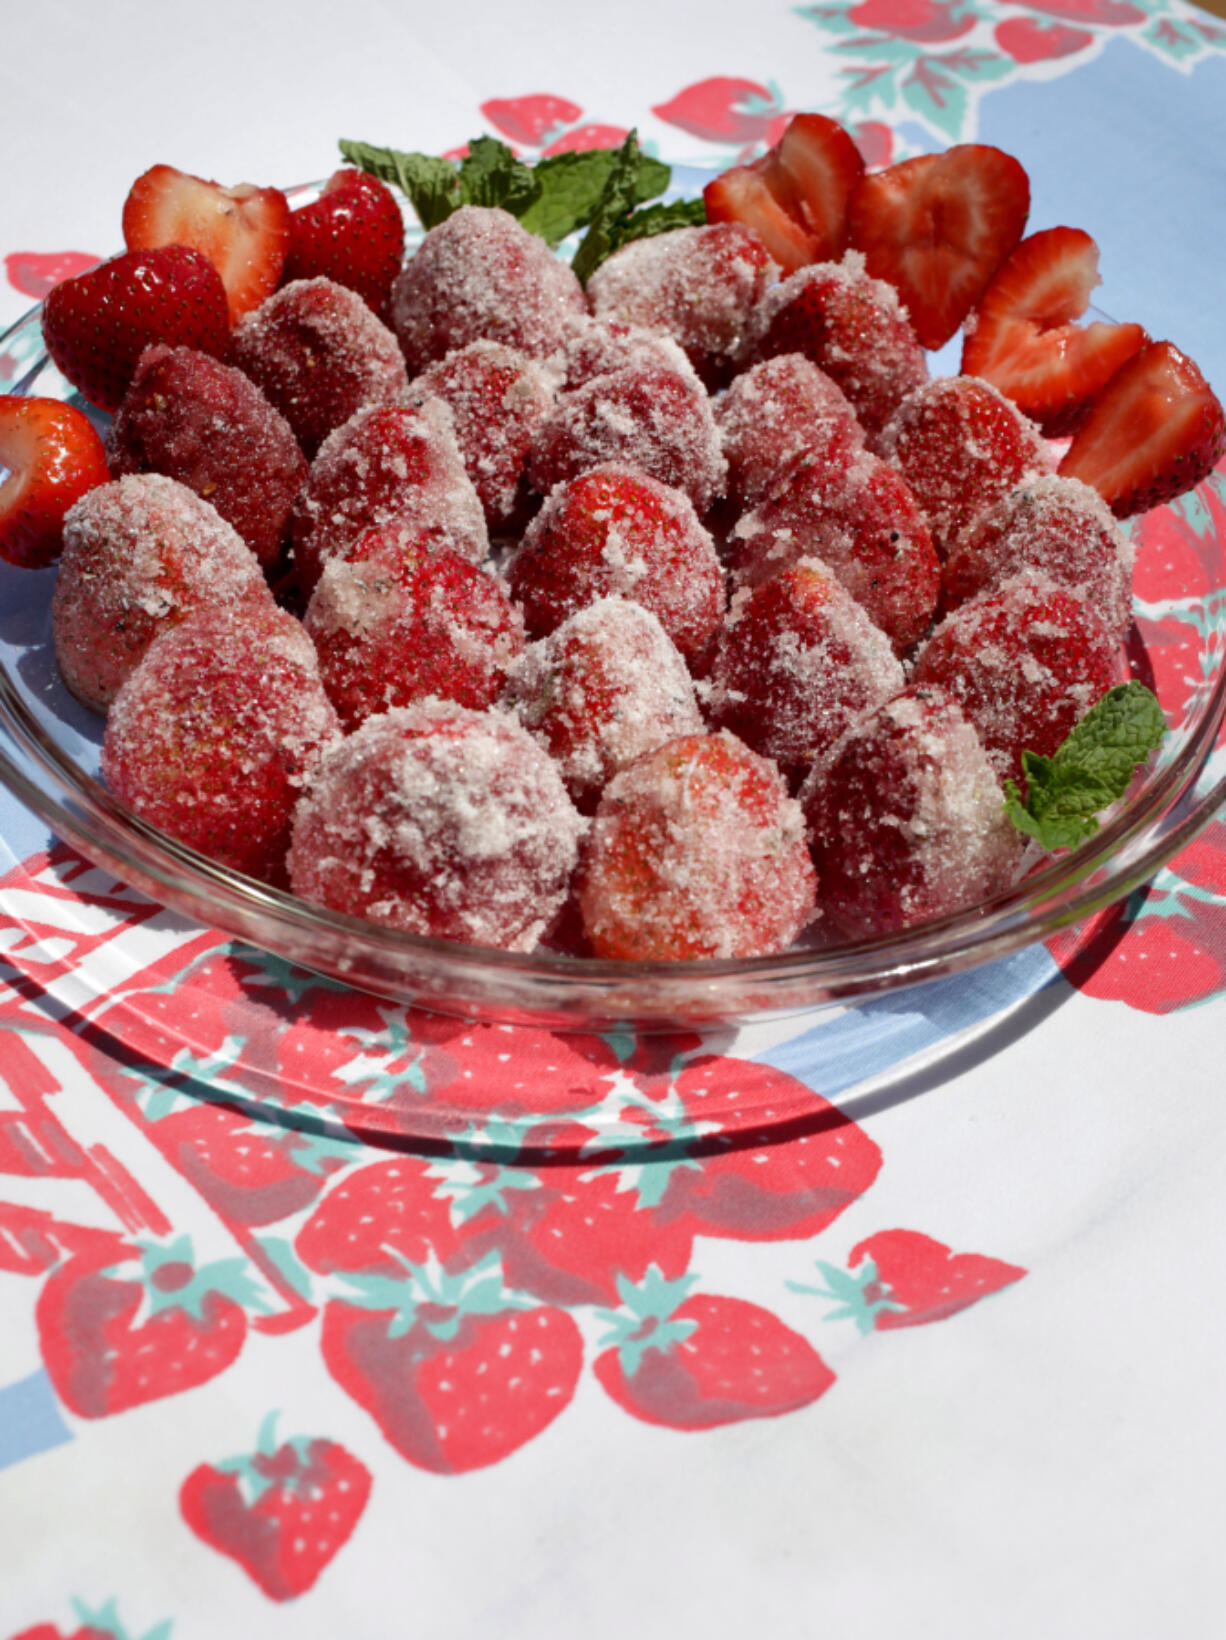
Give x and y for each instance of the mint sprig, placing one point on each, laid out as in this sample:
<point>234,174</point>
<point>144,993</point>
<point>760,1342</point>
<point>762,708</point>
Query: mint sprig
<point>1090,771</point>
<point>600,189</point>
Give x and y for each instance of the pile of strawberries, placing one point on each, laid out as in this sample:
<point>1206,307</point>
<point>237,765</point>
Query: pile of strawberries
<point>681,616</point>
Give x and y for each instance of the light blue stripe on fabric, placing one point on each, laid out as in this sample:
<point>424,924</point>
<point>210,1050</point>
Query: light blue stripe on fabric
<point>30,1420</point>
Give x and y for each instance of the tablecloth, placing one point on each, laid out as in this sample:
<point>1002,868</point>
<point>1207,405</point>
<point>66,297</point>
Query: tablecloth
<point>934,1352</point>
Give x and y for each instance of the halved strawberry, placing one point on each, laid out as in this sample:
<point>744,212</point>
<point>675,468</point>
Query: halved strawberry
<point>937,228</point>
<point>1156,430</point>
<point>244,231</point>
<point>814,168</point>
<point>743,195</point>
<point>353,234</point>
<point>1022,337</point>
<point>53,456</point>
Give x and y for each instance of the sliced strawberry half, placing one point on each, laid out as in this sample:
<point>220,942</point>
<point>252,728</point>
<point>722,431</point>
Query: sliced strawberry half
<point>743,195</point>
<point>813,171</point>
<point>244,231</point>
<point>1023,337</point>
<point>938,227</point>
<point>1154,432</point>
<point>53,456</point>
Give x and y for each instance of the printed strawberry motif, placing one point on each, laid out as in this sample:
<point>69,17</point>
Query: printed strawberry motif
<point>1162,949</point>
<point>532,121</point>
<point>456,1372</point>
<point>925,21</point>
<point>900,1278</point>
<point>723,110</point>
<point>102,1624</point>
<point>585,137</point>
<point>134,1321</point>
<point>698,1362</point>
<point>1028,41</point>
<point>251,1171</point>
<point>379,1217</point>
<point>282,1512</point>
<point>34,273</point>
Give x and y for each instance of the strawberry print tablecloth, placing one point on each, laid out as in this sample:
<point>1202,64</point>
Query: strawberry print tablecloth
<point>900,1320</point>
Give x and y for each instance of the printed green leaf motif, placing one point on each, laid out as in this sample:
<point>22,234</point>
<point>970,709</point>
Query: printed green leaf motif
<point>1090,771</point>
<point>432,184</point>
<point>936,96</point>
<point>491,175</point>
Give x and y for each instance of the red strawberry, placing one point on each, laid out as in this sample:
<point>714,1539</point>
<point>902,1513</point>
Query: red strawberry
<point>937,227</point>
<point>244,231</point>
<point>1154,432</point>
<point>813,169</point>
<point>743,195</point>
<point>914,1279</point>
<point>353,234</point>
<point>53,455</point>
<point>1023,340</point>
<point>129,1323</point>
<point>97,325</point>
<point>282,1512</point>
<point>456,1375</point>
<point>695,1363</point>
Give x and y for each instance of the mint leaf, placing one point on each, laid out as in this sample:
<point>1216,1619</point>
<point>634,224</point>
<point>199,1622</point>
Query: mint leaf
<point>1092,769</point>
<point>432,184</point>
<point>630,175</point>
<point>678,213</point>
<point>490,174</point>
<point>573,184</point>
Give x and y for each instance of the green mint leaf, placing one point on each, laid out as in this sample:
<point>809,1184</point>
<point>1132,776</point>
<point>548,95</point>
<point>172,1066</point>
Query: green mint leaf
<point>491,175</point>
<point>432,184</point>
<point>678,213</point>
<point>572,185</point>
<point>1090,771</point>
<point>631,174</point>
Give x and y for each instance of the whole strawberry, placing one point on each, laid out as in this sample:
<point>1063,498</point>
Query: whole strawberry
<point>53,455</point>
<point>97,325</point>
<point>353,234</point>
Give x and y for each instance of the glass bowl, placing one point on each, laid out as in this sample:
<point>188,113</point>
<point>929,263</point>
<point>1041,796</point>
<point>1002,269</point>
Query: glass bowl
<point>49,753</point>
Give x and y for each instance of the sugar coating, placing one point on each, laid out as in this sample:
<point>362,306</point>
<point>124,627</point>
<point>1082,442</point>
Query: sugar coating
<point>852,326</point>
<point>858,515</point>
<point>961,445</point>
<point>907,819</point>
<point>779,409</point>
<point>698,285</point>
<point>1058,525</point>
<point>215,733</point>
<point>696,851</point>
<point>617,531</point>
<point>594,347</point>
<point>139,554</point>
<point>387,463</point>
<point>480,276</point>
<point>318,354</point>
<point>205,423</point>
<point>652,419</point>
<point>607,686</point>
<point>1024,662</point>
<point>395,621</point>
<point>797,660</point>
<point>439,821</point>
<point>497,396</point>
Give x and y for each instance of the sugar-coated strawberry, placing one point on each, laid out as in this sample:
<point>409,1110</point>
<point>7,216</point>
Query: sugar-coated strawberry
<point>594,347</point>
<point>441,821</point>
<point>852,327</point>
<point>796,661</point>
<point>480,276</point>
<point>97,325</point>
<point>603,688</point>
<point>907,819</point>
<point>216,733</point>
<point>282,1512</point>
<point>244,231</point>
<point>696,851</point>
<point>615,531</point>
<point>207,425</point>
<point>1024,663</point>
<point>780,409</point>
<point>1022,336</point>
<point>1155,431</point>
<point>51,455</point>
<point>937,227</point>
<point>319,354</point>
<point>813,171</point>
<point>961,445</point>
<point>139,554</point>
<point>394,621</point>
<point>857,514</point>
<point>656,420</point>
<point>353,233</point>
<point>743,195</point>
<point>698,285</point>
<point>698,1360</point>
<point>1058,525</point>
